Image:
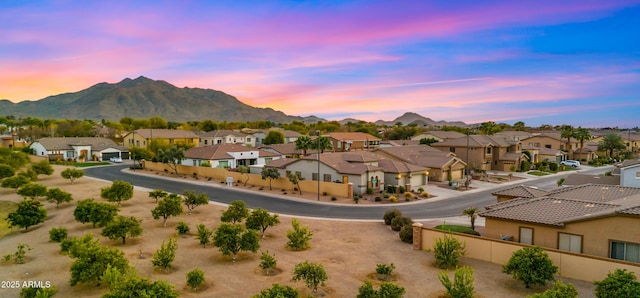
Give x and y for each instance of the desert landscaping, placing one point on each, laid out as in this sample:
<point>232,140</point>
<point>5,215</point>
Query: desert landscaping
<point>348,250</point>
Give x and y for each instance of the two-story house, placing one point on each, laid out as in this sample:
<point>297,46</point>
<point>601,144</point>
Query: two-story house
<point>486,152</point>
<point>442,166</point>
<point>348,141</point>
<point>223,136</point>
<point>553,140</point>
<point>144,138</point>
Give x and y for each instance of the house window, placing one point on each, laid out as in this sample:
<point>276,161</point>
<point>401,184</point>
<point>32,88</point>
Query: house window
<point>287,173</point>
<point>488,150</point>
<point>326,177</point>
<point>298,174</point>
<point>339,144</point>
<point>625,251</point>
<point>548,146</point>
<point>223,164</point>
<point>248,140</point>
<point>526,235</point>
<point>569,242</point>
<point>205,142</point>
<point>314,176</point>
<point>69,153</point>
<point>452,149</point>
<point>637,175</point>
<point>267,160</point>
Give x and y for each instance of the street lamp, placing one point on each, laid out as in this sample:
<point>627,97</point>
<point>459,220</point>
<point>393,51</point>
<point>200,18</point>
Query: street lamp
<point>318,151</point>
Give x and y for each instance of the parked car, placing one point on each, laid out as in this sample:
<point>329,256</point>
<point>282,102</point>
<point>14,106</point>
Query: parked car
<point>571,163</point>
<point>115,159</point>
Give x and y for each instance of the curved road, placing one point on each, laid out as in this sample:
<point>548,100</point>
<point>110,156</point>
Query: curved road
<point>418,211</point>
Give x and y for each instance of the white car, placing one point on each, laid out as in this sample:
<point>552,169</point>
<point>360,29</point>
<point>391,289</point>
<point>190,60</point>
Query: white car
<point>115,159</point>
<point>571,163</point>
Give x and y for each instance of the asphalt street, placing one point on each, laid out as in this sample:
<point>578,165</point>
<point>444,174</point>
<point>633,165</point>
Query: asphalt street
<point>419,210</point>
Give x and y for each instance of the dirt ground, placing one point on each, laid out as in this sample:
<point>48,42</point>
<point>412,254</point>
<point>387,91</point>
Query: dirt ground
<point>348,250</point>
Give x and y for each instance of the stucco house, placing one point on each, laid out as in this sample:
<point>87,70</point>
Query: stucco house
<point>224,136</point>
<point>486,152</point>
<point>552,140</point>
<point>442,166</point>
<point>519,191</point>
<point>599,220</point>
<point>348,141</point>
<point>144,137</point>
<point>228,156</point>
<point>630,173</point>
<point>288,150</point>
<point>87,148</point>
<point>439,135</point>
<point>539,154</point>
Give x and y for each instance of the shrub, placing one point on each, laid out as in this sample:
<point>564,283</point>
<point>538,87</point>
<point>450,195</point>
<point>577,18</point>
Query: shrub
<point>333,198</point>
<point>531,265</point>
<point>391,189</point>
<point>384,269</point>
<point>447,250</point>
<point>425,194</point>
<point>406,234</point>
<point>369,190</point>
<point>313,274</point>
<point>195,278</point>
<point>58,234</point>
<point>560,289</point>
<point>408,196</point>
<point>205,164</point>
<point>299,237</point>
<point>387,289</point>
<point>401,189</point>
<point>390,215</point>
<point>378,199</point>
<point>553,167</point>
<point>182,228</point>
<point>462,284</point>
<point>38,292</point>
<point>399,221</point>
<point>268,262</point>
<point>393,199</point>
<point>385,195</point>
<point>619,283</point>
<point>420,189</point>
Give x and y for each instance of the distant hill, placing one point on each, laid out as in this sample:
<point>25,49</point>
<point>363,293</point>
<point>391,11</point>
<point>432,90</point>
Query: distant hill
<point>144,98</point>
<point>413,118</point>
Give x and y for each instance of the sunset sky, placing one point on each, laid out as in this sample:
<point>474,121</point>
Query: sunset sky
<point>541,62</point>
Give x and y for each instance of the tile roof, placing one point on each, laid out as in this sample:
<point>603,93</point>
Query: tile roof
<point>521,191</point>
<point>338,162</point>
<point>421,155</point>
<point>287,149</point>
<point>397,143</point>
<point>221,133</point>
<point>394,166</point>
<point>63,143</point>
<point>281,163</point>
<point>475,141</point>
<point>220,151</point>
<point>510,156</point>
<point>166,133</point>
<point>596,192</point>
<point>352,136</point>
<point>579,179</point>
<point>630,163</point>
<point>442,134</point>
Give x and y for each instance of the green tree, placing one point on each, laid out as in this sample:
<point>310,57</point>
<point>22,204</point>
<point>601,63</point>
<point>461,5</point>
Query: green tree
<point>299,237</point>
<point>165,255</point>
<point>130,285</point>
<point>562,290</point>
<point>530,265</point>
<point>15,181</point>
<point>30,174</point>
<point>195,278</point>
<point>42,168</point>
<point>428,141</point>
<point>269,173</point>
<point>14,159</point>
<point>29,213</point>
<point>261,219</point>
<point>204,234</point>
<point>322,143</point>
<point>231,239</point>
<point>122,227</point>
<point>158,194</point>
<point>472,213</point>
<point>582,134</point>
<point>193,200</point>
<point>619,283</point>
<point>32,190</point>
<point>20,254</point>
<point>140,153</point>
<point>567,132</point>
<point>169,206</point>
<point>6,171</point>
<point>519,126</point>
<point>58,234</point>
<point>304,143</point>
<point>72,174</point>
<point>235,213</point>
<point>94,212</point>
<point>447,251</point>
<point>57,196</point>
<point>312,274</point>
<point>278,291</point>
<point>244,171</point>
<point>268,262</point>
<point>386,290</point>
<point>610,142</point>
<point>38,292</point>
<point>293,178</point>
<point>489,128</point>
<point>274,137</point>
<point>91,261</point>
<point>173,157</point>
<point>118,191</point>
<point>462,284</point>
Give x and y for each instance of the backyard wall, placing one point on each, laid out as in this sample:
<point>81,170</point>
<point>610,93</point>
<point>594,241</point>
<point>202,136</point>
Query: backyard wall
<point>307,186</point>
<point>570,265</point>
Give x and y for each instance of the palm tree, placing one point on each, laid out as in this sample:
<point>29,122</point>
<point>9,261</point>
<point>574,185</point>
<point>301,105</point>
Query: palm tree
<point>322,143</point>
<point>567,132</point>
<point>473,214</point>
<point>519,126</point>
<point>304,143</point>
<point>611,142</point>
<point>582,134</point>
<point>489,128</point>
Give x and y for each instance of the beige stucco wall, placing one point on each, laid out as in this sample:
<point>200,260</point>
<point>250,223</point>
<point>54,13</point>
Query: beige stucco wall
<point>570,265</point>
<point>596,233</point>
<point>332,189</point>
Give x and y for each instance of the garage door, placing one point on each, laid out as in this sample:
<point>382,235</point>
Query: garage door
<point>107,155</point>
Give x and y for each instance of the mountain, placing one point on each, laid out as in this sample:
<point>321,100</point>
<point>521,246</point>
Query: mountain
<point>144,98</point>
<point>413,118</point>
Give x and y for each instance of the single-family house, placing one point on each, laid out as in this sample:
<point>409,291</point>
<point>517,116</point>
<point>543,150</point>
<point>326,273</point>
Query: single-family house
<point>144,138</point>
<point>598,220</point>
<point>78,148</point>
<point>439,135</point>
<point>630,173</point>
<point>484,152</point>
<point>228,156</point>
<point>348,141</point>
<point>442,166</point>
<point>287,149</point>
<point>519,191</point>
<point>224,136</point>
<point>552,140</point>
<point>580,179</point>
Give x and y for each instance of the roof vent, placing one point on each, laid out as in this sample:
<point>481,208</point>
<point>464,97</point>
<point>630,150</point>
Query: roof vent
<point>589,205</point>
<point>604,187</point>
<point>557,201</point>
